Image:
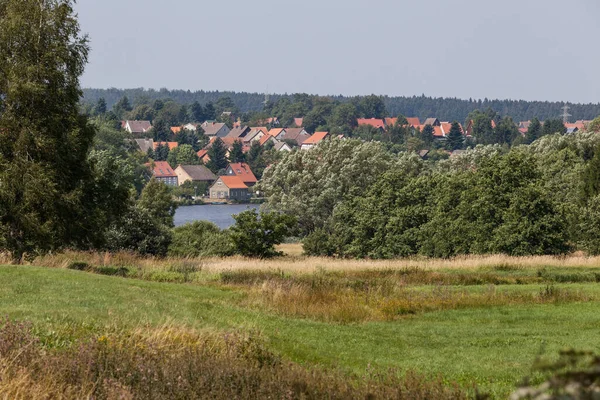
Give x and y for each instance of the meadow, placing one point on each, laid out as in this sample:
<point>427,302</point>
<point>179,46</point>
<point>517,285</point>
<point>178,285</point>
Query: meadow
<point>413,328</point>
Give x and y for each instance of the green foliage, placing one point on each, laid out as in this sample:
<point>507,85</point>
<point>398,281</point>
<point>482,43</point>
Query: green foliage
<point>309,184</point>
<point>218,156</point>
<point>183,155</point>
<point>255,235</point>
<point>552,126</point>
<point>52,195</point>
<point>200,239</point>
<point>455,139</point>
<point>594,126</point>
<point>534,131</point>
<point>236,153</point>
<point>157,199</point>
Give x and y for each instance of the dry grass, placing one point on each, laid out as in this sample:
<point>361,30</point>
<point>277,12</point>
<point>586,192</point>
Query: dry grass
<point>301,264</point>
<point>171,363</point>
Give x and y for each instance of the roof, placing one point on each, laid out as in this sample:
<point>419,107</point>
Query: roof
<point>243,171</point>
<point>198,172</point>
<point>276,131</point>
<point>233,182</point>
<point>212,128</point>
<point>162,169</point>
<point>137,126</point>
<point>431,121</point>
<point>171,145</point>
<point>175,129</point>
<point>281,145</point>
<point>263,140</point>
<point>298,122</point>
<point>316,138</point>
<point>202,153</point>
<point>298,135</point>
<point>413,121</point>
<point>145,144</point>
<point>239,131</point>
<point>375,122</point>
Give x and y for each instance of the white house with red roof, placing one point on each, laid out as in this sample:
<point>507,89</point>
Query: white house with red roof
<point>314,140</point>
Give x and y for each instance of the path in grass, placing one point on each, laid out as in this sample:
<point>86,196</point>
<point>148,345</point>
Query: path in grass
<point>493,347</point>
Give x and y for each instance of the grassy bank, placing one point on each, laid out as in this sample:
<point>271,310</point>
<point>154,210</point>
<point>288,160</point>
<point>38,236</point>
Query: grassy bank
<point>481,324</point>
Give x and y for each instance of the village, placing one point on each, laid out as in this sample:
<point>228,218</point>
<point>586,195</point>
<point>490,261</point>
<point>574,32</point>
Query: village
<point>236,182</point>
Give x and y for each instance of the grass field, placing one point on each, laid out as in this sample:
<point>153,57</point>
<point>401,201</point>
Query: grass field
<point>475,321</point>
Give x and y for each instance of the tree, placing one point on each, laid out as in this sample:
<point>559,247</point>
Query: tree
<point>256,160</point>
<point>161,152</point>
<point>209,111</point>
<point>255,235</point>
<point>122,107</point>
<point>158,201</point>
<point>427,135</point>
<point>50,195</point>
<point>594,126</point>
<point>372,107</point>
<point>236,154</point>
<point>218,156</point>
<point>184,155</point>
<point>196,112</point>
<point>455,139</point>
<point>553,126</point>
<point>506,131</point>
<point>534,131</point>
<point>100,108</point>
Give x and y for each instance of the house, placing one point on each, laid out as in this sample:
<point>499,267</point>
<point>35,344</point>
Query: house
<point>191,127</point>
<point>443,129</point>
<point>162,171</point>
<point>229,187</point>
<point>239,132</point>
<point>175,129</point>
<point>282,146</point>
<point>254,135</point>
<point>298,122</point>
<point>194,173</point>
<point>432,122</point>
<point>315,139</point>
<point>267,139</point>
<point>242,171</point>
<point>216,129</point>
<point>298,135</point>
<point>136,127</point>
<point>374,122</point>
<point>277,133</point>
<point>145,144</point>
<point>203,156</point>
<point>412,121</point>
<point>171,145</point>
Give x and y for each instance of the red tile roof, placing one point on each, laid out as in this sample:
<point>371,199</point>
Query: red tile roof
<point>175,129</point>
<point>276,131</point>
<point>298,122</point>
<point>316,138</point>
<point>377,123</point>
<point>171,145</point>
<point>233,182</point>
<point>162,169</point>
<point>243,171</point>
<point>413,121</point>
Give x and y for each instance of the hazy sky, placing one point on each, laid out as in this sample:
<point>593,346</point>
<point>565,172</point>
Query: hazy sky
<point>517,49</point>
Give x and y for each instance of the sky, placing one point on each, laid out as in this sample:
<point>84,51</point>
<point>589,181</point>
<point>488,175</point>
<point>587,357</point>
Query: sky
<point>509,49</point>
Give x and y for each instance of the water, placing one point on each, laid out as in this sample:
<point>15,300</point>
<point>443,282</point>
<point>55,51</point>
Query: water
<point>221,215</point>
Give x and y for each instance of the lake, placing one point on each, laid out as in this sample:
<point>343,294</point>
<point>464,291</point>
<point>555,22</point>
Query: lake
<point>220,215</point>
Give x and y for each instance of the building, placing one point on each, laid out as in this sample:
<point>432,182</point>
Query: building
<point>194,173</point>
<point>216,129</point>
<point>162,171</point>
<point>298,135</point>
<point>136,127</point>
<point>145,144</point>
<point>242,171</point>
<point>315,139</point>
<point>374,122</point>
<point>171,145</point>
<point>229,188</point>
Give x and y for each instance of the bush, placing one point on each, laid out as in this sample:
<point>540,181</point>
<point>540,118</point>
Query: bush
<point>200,239</point>
<point>255,235</point>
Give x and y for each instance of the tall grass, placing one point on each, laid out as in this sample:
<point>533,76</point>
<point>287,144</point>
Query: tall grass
<point>173,363</point>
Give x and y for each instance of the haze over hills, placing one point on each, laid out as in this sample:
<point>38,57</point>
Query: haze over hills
<point>448,109</point>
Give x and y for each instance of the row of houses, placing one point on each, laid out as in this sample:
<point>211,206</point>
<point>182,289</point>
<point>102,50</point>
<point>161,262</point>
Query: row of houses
<point>441,129</point>
<point>234,185</point>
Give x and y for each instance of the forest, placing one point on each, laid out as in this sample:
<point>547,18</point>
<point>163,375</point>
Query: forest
<point>446,109</point>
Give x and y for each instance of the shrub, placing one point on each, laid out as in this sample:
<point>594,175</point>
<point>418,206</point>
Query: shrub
<point>200,239</point>
<point>255,235</point>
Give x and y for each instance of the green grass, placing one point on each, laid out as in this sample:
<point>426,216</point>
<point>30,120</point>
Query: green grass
<point>492,347</point>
